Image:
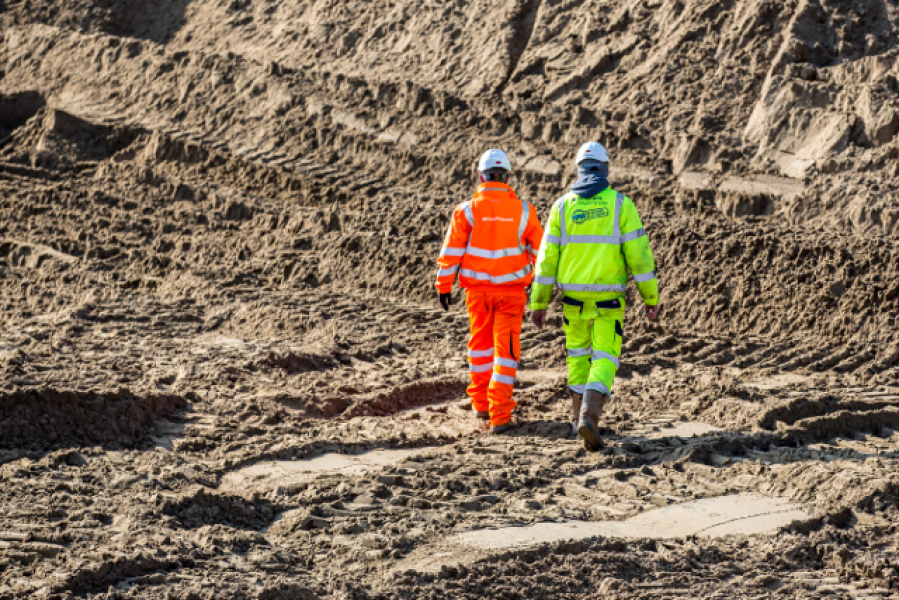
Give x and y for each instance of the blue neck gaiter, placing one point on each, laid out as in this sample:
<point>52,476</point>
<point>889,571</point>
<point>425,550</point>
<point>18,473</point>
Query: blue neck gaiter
<point>592,178</point>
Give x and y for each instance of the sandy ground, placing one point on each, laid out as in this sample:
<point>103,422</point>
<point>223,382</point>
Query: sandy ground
<point>223,373</point>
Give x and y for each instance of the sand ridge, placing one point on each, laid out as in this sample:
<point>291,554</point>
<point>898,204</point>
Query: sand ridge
<point>218,227</point>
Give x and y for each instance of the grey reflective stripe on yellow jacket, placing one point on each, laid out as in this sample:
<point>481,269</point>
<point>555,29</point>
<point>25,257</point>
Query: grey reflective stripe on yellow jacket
<point>590,247</point>
<point>592,287</point>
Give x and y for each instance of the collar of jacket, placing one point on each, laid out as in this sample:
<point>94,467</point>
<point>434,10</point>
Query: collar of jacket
<point>494,186</point>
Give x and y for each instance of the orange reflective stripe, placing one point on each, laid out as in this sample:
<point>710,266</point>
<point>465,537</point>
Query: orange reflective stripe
<point>496,279</point>
<point>492,254</point>
<point>503,379</point>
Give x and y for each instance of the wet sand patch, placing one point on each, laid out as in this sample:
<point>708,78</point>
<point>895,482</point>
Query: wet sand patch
<point>268,475</point>
<point>668,426</point>
<point>711,517</point>
<point>682,429</point>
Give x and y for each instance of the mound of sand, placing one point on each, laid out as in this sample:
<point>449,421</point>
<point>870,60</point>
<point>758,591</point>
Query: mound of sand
<point>223,372</point>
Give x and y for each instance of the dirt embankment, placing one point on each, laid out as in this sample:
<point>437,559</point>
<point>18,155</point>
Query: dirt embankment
<point>801,89</point>
<point>222,370</point>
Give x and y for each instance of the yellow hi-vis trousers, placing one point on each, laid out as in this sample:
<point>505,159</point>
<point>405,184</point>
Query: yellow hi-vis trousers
<point>593,335</point>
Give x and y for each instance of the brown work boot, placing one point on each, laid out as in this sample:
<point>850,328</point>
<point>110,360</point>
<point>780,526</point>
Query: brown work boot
<point>588,425</point>
<point>575,411</point>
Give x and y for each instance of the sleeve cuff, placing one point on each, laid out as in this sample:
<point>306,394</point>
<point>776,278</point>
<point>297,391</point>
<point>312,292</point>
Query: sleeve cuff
<point>537,306</point>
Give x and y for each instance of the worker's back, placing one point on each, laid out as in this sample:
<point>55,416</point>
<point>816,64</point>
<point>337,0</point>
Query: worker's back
<point>496,234</point>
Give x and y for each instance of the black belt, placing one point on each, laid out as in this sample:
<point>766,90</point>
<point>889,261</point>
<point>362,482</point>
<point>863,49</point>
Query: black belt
<point>606,304</point>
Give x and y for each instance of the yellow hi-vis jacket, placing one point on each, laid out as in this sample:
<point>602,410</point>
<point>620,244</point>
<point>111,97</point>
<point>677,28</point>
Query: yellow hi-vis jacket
<point>589,248</point>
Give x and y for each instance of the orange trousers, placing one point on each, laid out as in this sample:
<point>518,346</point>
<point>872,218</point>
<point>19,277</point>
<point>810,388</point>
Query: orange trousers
<point>494,350</point>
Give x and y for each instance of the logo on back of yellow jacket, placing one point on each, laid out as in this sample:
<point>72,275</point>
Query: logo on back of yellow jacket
<point>582,216</point>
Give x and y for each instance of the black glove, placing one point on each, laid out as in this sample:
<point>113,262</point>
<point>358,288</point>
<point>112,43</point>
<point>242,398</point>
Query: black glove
<point>446,300</point>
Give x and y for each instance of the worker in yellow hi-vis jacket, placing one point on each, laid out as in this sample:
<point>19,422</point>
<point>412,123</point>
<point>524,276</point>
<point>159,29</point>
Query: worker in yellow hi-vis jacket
<point>592,242</point>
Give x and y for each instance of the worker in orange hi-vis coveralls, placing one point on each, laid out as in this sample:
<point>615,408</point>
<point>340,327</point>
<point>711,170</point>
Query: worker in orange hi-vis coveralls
<point>492,243</point>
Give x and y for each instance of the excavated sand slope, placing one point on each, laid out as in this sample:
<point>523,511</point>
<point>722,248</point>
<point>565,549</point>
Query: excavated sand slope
<point>223,372</point>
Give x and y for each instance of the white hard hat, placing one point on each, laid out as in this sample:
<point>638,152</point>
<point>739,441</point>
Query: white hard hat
<point>592,150</point>
<point>494,159</point>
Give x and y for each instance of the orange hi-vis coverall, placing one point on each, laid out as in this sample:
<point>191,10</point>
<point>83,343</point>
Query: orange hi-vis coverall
<point>492,243</point>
